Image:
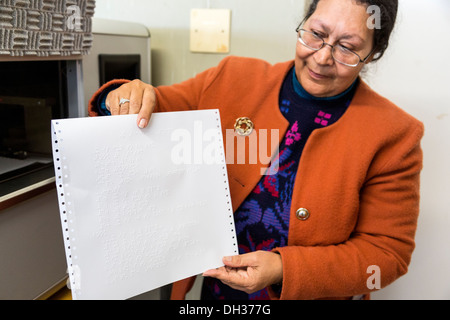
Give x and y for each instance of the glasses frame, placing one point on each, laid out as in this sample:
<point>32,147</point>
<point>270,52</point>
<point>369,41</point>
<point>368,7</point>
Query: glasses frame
<point>299,29</point>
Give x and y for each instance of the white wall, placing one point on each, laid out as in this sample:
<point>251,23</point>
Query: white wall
<point>413,74</point>
<point>259,28</point>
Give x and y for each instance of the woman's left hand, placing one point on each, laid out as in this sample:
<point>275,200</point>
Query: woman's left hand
<point>249,272</point>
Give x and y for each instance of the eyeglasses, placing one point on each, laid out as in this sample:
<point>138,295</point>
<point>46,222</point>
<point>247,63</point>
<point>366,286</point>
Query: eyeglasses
<point>339,53</point>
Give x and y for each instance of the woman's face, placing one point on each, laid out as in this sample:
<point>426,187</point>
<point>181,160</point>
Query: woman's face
<point>341,22</point>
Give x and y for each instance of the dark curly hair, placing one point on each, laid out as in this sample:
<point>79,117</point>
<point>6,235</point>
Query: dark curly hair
<point>388,10</point>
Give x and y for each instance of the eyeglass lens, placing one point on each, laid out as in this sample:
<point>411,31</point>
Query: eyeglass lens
<point>340,53</point>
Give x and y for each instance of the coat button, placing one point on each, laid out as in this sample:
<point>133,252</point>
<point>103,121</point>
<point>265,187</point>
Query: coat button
<point>302,214</point>
<point>244,126</point>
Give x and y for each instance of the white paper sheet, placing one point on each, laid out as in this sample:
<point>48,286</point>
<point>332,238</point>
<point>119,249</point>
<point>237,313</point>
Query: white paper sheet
<point>141,208</point>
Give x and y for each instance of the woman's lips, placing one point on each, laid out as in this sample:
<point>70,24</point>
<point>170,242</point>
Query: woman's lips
<point>317,76</point>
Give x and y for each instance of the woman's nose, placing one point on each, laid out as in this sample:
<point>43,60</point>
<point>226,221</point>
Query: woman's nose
<point>325,55</point>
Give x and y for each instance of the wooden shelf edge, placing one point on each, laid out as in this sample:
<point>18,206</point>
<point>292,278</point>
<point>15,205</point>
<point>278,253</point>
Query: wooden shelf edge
<point>26,193</point>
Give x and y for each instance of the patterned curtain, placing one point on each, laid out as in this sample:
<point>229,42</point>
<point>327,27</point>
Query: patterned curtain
<point>45,28</point>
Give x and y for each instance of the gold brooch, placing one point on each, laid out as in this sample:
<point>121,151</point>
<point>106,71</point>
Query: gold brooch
<point>244,126</point>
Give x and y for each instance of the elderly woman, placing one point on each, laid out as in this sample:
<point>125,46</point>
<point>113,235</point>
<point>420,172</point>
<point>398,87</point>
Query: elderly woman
<point>335,216</point>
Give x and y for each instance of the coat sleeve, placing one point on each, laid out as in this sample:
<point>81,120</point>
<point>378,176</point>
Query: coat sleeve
<point>94,102</point>
<point>382,241</point>
<point>183,96</point>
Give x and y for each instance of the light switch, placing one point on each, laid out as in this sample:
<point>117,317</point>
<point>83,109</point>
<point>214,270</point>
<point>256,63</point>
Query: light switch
<point>210,30</point>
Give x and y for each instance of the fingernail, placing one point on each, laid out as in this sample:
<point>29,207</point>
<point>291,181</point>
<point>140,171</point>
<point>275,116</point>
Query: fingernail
<point>228,259</point>
<point>142,123</point>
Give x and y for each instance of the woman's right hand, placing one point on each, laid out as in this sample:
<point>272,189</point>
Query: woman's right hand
<point>142,101</point>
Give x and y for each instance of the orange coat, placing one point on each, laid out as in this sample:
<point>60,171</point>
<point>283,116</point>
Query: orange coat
<point>358,178</point>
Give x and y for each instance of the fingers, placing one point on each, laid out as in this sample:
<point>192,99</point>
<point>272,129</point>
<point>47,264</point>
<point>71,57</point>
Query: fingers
<point>249,272</point>
<point>235,263</point>
<point>236,278</point>
<point>142,101</point>
<point>243,260</point>
<point>147,108</point>
<point>112,102</point>
<point>213,273</point>
<point>124,107</point>
<point>135,97</point>
<point>227,275</point>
